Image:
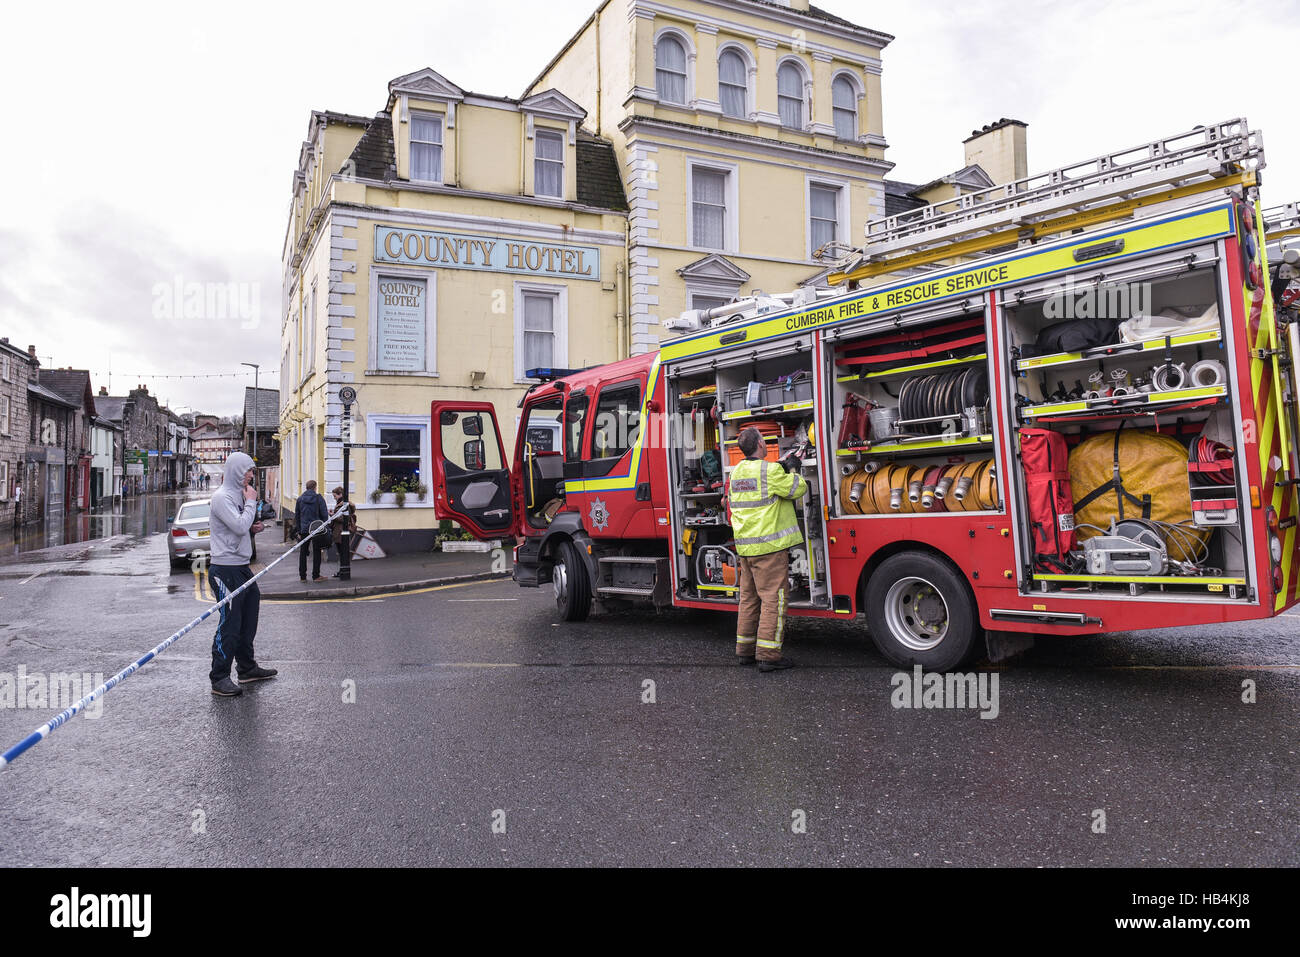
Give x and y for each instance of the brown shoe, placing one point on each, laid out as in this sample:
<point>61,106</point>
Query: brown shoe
<point>318,578</point>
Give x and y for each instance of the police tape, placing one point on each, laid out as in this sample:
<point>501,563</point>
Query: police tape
<point>68,714</point>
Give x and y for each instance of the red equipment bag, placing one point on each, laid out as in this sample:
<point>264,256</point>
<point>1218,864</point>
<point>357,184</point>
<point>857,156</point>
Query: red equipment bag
<point>1051,503</point>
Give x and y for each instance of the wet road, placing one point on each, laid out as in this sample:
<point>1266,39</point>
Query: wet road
<point>138,516</point>
<point>472,707</point>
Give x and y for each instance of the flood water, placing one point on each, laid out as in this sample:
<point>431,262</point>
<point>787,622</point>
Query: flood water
<point>138,516</point>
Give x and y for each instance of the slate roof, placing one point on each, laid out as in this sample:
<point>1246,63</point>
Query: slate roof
<point>110,407</point>
<point>49,395</point>
<point>374,156</point>
<point>267,417</point>
<point>899,198</point>
<point>599,182</point>
<point>72,384</point>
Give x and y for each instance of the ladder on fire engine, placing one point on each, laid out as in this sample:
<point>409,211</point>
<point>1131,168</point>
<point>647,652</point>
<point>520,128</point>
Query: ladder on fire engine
<point>1173,171</point>
<point>1281,222</point>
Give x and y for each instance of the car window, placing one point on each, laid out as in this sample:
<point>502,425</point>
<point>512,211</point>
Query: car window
<point>618,420</point>
<point>193,511</point>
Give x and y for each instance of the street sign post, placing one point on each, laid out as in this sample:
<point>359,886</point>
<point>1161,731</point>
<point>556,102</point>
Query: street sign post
<point>347,395</point>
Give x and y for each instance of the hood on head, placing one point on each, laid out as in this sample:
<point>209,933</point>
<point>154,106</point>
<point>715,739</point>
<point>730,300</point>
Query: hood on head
<point>237,467</point>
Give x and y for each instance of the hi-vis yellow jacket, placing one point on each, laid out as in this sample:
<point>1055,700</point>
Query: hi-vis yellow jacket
<point>761,495</point>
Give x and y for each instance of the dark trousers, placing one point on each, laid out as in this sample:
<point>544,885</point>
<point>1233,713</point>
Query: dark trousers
<point>317,548</point>
<point>238,625</point>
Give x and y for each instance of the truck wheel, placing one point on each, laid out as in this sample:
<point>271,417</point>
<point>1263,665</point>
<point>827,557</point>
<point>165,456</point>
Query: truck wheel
<point>920,613</point>
<point>572,587</point>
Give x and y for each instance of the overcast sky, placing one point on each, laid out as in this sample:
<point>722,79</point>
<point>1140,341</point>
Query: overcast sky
<point>148,144</point>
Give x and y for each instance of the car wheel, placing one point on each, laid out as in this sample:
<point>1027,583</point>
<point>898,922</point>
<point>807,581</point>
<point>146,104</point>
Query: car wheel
<point>919,612</point>
<point>572,587</point>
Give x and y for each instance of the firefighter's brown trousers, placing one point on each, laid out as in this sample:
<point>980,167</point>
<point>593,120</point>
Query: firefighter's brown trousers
<point>763,589</point>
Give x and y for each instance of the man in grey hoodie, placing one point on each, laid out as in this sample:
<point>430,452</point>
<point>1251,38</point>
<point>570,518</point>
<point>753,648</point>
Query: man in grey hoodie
<point>233,515</point>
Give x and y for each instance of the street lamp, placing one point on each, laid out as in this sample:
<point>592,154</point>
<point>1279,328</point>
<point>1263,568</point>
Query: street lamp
<point>258,473</point>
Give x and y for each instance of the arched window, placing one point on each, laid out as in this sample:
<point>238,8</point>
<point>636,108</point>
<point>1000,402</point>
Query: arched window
<point>733,87</point>
<point>844,106</point>
<point>670,70</point>
<point>789,95</point>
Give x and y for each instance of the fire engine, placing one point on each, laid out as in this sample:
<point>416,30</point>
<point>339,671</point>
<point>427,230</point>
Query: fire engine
<point>1063,405</point>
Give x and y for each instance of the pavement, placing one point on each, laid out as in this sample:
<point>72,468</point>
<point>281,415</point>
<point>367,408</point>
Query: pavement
<point>395,573</point>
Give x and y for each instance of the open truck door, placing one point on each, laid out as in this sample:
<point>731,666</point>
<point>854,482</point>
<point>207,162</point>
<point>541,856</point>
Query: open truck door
<point>471,481</point>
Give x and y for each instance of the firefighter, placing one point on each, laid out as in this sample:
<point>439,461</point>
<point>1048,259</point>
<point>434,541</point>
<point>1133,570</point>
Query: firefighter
<point>760,498</point>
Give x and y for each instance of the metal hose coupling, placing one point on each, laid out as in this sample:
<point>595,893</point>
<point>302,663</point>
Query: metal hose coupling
<point>963,486</point>
<point>945,483</point>
<point>914,490</point>
<point>855,491</point>
<point>896,498</point>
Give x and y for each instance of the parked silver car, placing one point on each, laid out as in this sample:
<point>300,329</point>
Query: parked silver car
<point>189,533</point>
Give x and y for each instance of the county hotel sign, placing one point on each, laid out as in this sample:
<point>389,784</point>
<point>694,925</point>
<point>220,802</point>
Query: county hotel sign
<point>416,247</point>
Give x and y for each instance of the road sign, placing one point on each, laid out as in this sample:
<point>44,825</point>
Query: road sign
<point>365,445</point>
<point>347,395</point>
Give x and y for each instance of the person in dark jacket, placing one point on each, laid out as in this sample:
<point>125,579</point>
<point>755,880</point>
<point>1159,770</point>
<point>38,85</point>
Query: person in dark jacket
<point>350,522</point>
<point>311,507</point>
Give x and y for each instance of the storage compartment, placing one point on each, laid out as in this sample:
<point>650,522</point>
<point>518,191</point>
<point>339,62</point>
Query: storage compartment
<point>1150,435</point>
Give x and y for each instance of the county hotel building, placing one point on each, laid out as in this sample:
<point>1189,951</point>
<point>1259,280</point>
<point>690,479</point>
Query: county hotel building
<point>671,155</point>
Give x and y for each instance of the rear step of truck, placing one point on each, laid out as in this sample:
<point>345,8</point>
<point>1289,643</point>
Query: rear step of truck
<point>634,576</point>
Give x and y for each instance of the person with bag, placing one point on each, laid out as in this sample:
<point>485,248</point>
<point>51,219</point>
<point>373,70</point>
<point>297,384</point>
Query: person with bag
<point>350,523</point>
<point>309,508</point>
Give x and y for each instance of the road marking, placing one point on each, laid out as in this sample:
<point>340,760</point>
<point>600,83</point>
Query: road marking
<point>30,577</point>
<point>482,599</point>
<point>357,598</point>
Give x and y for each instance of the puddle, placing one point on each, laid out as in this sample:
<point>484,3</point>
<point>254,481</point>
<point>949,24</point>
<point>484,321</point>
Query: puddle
<point>138,517</point>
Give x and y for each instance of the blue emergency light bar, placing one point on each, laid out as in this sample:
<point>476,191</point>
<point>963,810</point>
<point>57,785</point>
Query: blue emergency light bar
<point>548,374</point>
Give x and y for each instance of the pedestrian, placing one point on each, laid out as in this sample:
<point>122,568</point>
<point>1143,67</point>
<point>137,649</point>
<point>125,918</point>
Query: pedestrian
<point>760,500</point>
<point>351,524</point>
<point>310,508</point>
<point>18,503</point>
<point>232,516</point>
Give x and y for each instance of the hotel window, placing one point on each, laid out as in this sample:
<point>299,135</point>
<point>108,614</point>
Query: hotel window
<point>709,207</point>
<point>844,106</point>
<point>309,335</point>
<point>733,91</point>
<point>670,70</point>
<point>548,165</point>
<point>540,327</point>
<point>704,300</point>
<point>426,147</point>
<point>789,95</point>
<point>823,215</point>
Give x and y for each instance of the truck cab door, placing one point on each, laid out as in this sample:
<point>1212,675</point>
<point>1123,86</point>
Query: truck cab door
<point>471,482</point>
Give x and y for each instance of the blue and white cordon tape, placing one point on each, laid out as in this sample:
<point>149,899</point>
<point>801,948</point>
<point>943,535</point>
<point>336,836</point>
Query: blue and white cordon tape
<point>63,717</point>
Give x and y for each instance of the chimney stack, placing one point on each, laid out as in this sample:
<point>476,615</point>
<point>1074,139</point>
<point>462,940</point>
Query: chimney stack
<point>1000,150</point>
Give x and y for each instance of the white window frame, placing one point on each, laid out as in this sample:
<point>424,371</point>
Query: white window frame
<point>441,143</point>
<point>692,294</point>
<point>841,208</point>
<point>859,94</point>
<point>4,481</point>
<point>375,421</point>
<point>430,320</point>
<point>6,413</point>
<point>688,100</point>
<point>6,372</point>
<point>560,293</point>
<point>805,107</point>
<point>731,215</point>
<point>750,71</point>
<point>309,337</point>
<point>540,133</point>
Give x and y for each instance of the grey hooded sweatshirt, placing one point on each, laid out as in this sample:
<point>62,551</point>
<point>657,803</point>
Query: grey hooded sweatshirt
<point>231,516</point>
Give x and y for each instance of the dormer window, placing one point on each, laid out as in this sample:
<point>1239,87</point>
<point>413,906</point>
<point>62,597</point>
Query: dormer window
<point>426,147</point>
<point>548,163</point>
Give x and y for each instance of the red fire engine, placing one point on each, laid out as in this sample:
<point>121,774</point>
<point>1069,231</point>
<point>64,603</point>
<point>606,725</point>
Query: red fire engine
<point>1061,406</point>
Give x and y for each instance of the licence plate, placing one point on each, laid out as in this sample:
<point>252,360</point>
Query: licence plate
<point>202,533</point>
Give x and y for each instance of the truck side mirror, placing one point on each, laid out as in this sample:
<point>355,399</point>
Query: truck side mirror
<point>475,454</point>
<point>446,418</point>
<point>472,425</point>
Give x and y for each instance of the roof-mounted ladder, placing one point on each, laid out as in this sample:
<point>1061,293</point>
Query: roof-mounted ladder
<point>1099,190</point>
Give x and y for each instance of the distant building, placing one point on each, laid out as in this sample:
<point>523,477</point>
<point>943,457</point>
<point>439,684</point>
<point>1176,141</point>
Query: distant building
<point>73,385</point>
<point>16,367</point>
<point>212,442</point>
<point>261,425</point>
